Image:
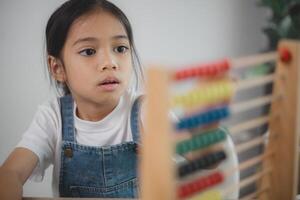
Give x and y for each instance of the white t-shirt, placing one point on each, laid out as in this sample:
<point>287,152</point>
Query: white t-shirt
<point>44,135</point>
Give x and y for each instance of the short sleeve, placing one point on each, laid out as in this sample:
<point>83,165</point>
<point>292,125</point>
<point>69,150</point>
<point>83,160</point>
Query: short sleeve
<point>40,139</point>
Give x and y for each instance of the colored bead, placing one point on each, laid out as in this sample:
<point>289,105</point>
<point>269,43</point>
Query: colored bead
<point>209,94</point>
<point>199,184</point>
<point>209,70</point>
<point>209,195</point>
<point>203,118</point>
<point>285,55</point>
<point>179,75</point>
<point>196,186</point>
<point>198,71</point>
<point>200,163</point>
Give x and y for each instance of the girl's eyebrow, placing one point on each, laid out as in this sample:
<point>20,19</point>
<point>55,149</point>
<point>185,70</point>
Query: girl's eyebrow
<point>87,39</point>
<point>93,39</point>
<point>120,37</point>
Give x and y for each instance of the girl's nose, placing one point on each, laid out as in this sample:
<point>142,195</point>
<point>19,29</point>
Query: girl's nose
<point>110,66</point>
<point>107,62</point>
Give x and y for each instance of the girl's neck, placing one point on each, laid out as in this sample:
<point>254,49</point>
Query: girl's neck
<point>94,112</point>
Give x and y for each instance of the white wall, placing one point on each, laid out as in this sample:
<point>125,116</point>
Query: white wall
<point>168,31</point>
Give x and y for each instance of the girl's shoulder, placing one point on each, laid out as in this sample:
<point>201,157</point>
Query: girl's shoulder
<point>48,113</point>
<point>50,106</point>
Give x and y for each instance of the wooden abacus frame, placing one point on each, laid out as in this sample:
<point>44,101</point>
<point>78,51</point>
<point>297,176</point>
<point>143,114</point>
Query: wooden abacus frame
<point>157,170</point>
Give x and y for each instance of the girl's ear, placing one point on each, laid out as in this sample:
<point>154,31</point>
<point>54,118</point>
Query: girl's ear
<point>56,69</point>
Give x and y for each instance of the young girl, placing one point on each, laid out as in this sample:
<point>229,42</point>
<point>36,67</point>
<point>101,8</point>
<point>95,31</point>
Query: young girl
<point>90,133</point>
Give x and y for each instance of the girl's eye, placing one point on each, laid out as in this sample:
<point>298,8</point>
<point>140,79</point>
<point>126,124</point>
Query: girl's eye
<point>121,49</point>
<point>87,52</point>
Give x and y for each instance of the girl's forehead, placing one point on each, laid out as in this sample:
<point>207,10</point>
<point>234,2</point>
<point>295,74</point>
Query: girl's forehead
<point>99,24</point>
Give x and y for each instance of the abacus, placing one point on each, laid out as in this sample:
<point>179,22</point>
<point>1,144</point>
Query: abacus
<point>197,137</point>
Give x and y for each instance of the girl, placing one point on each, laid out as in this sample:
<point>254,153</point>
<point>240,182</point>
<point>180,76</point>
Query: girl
<point>90,133</point>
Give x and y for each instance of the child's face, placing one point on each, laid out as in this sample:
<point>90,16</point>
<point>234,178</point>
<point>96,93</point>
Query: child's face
<point>97,58</point>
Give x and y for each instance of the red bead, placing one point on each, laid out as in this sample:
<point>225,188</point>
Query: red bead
<point>218,177</point>
<point>182,192</point>
<point>185,73</point>
<point>194,187</point>
<point>215,178</point>
<point>193,72</point>
<point>285,55</point>
<point>186,191</point>
<point>178,75</point>
<point>200,185</point>
<point>218,68</point>
<point>190,72</point>
<point>200,71</point>
<point>209,181</point>
<point>221,177</point>
<point>214,70</point>
<point>204,72</point>
<point>208,70</point>
<point>205,183</point>
<point>189,190</point>
<point>225,65</point>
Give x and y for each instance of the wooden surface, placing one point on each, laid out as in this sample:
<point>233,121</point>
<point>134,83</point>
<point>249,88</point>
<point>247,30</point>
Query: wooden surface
<point>157,168</point>
<point>284,128</point>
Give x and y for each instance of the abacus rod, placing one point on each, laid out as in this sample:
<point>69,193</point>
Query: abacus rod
<point>247,181</point>
<point>239,128</point>
<point>253,60</point>
<point>250,104</point>
<point>253,161</point>
<point>248,163</point>
<point>255,194</point>
<point>254,177</point>
<point>254,82</point>
<point>248,145</point>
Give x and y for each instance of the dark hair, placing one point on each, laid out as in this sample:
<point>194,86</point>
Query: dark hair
<point>61,20</point>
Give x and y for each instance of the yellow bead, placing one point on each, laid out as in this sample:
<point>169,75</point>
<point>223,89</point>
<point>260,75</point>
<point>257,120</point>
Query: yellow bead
<point>209,195</point>
<point>216,92</point>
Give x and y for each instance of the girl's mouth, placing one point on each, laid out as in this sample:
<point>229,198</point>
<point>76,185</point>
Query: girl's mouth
<point>109,84</point>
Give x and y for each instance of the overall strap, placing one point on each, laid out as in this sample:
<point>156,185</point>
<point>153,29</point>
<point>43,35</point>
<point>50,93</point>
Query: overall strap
<point>68,130</point>
<point>134,119</point>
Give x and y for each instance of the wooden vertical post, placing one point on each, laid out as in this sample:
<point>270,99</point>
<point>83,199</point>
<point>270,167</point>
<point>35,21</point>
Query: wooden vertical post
<point>284,127</point>
<point>157,168</point>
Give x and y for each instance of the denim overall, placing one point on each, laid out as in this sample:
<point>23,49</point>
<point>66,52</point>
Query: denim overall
<point>88,171</point>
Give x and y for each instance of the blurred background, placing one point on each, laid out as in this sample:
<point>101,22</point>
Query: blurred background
<point>172,32</point>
